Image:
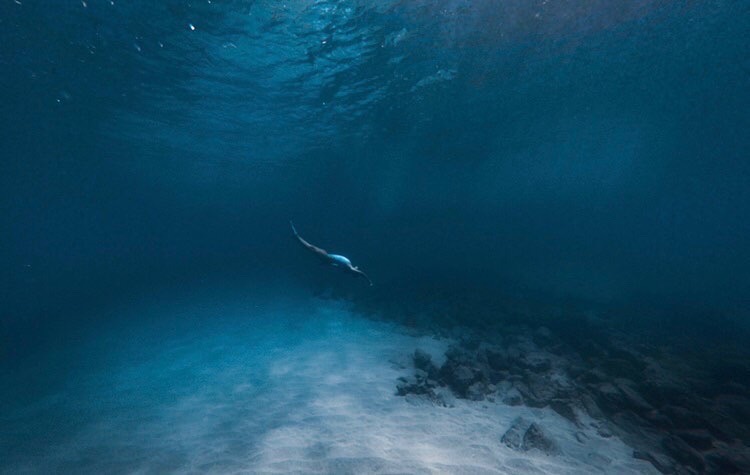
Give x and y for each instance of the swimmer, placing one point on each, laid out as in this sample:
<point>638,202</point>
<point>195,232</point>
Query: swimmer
<point>332,259</point>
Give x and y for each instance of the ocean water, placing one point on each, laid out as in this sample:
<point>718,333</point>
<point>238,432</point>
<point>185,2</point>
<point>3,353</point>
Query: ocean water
<point>550,197</point>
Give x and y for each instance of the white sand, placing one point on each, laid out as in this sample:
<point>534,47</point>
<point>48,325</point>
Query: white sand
<point>299,389</point>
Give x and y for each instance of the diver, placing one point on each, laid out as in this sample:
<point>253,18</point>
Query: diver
<point>333,259</point>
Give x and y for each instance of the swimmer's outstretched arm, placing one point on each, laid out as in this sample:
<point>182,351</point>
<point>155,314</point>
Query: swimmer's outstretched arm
<point>359,272</point>
<point>318,251</point>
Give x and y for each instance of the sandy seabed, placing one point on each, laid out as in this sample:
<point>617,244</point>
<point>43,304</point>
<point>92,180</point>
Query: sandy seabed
<point>276,388</point>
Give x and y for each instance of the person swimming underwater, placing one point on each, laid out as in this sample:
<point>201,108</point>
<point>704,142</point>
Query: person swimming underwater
<point>332,259</point>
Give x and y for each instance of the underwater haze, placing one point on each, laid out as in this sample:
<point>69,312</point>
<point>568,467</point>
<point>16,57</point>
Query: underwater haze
<point>551,198</point>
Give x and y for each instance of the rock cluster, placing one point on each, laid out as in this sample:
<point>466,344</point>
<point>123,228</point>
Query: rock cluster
<point>526,436</point>
<point>652,405</point>
<point>655,408</point>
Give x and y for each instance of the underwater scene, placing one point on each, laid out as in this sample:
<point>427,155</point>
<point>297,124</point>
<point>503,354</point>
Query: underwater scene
<point>374,237</point>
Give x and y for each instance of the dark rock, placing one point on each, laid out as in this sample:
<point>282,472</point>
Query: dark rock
<point>591,349</point>
<point>422,360</point>
<point>458,377</point>
<point>724,427</point>
<point>622,368</point>
<point>657,419</point>
<point>626,364</point>
<point>660,462</point>
<point>683,418</point>
<point>419,385</point>
<point>594,376</point>
<point>420,375</point>
<point>660,393</point>
<point>631,398</point>
<point>411,386</point>
<point>497,376</point>
<point>441,397</point>
<point>736,406</point>
<point>477,392</point>
<point>496,361</point>
<point>535,438</point>
<point>729,419</point>
<point>591,407</point>
<point>523,389</point>
<point>456,355</point>
<point>620,395</point>
<point>515,377</point>
<point>634,430</point>
<point>629,422</point>
<point>557,348</point>
<point>563,408</point>
<point>541,390</point>
<point>697,439</point>
<point>513,397</point>
<point>727,464</point>
<point>514,354</point>
<point>609,397</point>
<point>683,453</point>
<point>471,343</point>
<point>513,437</point>
<point>540,366</point>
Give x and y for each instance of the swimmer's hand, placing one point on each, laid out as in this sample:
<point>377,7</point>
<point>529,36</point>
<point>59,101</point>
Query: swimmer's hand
<point>363,275</point>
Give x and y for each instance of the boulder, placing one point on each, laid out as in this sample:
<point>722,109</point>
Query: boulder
<point>683,453</point>
<point>593,376</point>
<point>411,386</point>
<point>590,406</point>
<point>458,378</point>
<point>456,355</point>
<point>660,462</point>
<point>537,364</point>
<point>728,463</point>
<point>423,360</point>
<point>512,397</point>
<point>525,436</point>
<point>609,397</point>
<point>623,368</point>
<point>471,343</point>
<point>541,390</point>
<point>661,393</point>
<point>420,375</point>
<point>497,376</point>
<point>683,418</point>
<point>564,408</point>
<point>631,398</point>
<point>513,437</point>
<point>697,439</point>
<point>657,419</point>
<point>496,360</point>
<point>535,438</point>
<point>477,391</point>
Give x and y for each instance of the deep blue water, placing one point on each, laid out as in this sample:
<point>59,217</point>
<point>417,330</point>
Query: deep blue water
<point>591,154</point>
